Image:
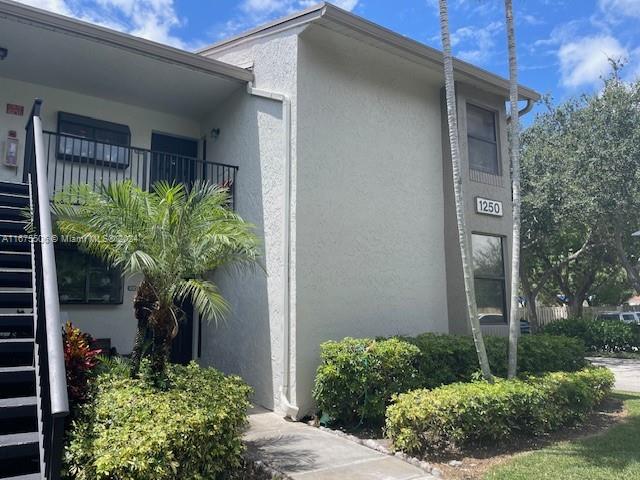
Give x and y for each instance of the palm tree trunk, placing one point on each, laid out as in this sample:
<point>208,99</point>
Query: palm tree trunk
<point>514,146</point>
<point>452,117</point>
<point>144,303</point>
<point>163,327</point>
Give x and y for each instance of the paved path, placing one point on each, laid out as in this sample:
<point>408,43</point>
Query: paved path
<point>307,453</point>
<point>627,372</point>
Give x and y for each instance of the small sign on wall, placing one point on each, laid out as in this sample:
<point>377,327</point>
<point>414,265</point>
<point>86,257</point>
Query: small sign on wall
<point>14,109</point>
<point>486,206</point>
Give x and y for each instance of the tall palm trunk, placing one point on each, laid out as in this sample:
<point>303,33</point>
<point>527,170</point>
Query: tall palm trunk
<point>452,117</point>
<point>144,303</point>
<point>514,146</point>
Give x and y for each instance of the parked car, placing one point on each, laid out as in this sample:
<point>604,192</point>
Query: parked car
<point>626,317</point>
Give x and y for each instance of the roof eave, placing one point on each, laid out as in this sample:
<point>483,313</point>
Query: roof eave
<point>326,12</point>
<point>72,26</point>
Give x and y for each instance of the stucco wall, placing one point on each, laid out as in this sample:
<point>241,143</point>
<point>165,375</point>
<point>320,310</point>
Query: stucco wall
<point>492,188</point>
<point>102,321</point>
<point>370,244</point>
<point>250,341</point>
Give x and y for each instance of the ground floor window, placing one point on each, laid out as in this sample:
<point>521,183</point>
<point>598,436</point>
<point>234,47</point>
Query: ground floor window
<point>85,279</point>
<point>489,278</point>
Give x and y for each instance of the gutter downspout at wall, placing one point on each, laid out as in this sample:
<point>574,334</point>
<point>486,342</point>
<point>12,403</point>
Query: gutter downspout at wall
<point>290,410</point>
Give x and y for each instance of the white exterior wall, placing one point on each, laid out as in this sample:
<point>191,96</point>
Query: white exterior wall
<point>250,342</point>
<point>370,207</point>
<point>102,321</point>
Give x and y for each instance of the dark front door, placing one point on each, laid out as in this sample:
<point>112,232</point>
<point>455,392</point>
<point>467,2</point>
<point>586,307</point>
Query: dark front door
<point>173,159</point>
<point>182,346</point>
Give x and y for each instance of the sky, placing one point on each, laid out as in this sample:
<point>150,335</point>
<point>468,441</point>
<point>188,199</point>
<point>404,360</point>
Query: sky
<point>563,45</point>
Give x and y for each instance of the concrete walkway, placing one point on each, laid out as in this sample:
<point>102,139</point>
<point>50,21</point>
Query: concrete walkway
<point>627,372</point>
<point>307,453</point>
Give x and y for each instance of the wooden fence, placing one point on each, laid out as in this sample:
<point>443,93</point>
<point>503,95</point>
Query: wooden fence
<point>550,314</point>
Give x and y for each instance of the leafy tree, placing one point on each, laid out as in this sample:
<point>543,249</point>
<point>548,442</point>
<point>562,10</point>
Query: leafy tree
<point>581,192</point>
<point>171,236</point>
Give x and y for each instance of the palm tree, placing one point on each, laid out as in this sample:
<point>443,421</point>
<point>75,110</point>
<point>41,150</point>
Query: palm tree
<point>172,237</point>
<point>514,146</point>
<point>452,117</point>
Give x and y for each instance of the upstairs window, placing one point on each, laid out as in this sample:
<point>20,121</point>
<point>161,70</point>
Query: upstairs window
<point>84,139</point>
<point>489,278</point>
<point>482,140</point>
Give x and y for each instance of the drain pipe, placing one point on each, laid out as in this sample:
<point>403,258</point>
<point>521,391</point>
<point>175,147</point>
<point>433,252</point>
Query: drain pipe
<point>290,410</point>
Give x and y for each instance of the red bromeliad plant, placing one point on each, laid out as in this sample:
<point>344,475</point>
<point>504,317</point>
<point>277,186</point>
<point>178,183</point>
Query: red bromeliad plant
<point>79,360</point>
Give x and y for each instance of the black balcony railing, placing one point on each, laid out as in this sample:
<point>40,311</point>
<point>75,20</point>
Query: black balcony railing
<point>77,160</point>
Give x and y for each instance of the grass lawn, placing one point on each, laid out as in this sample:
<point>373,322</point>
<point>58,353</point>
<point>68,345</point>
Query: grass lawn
<point>612,455</point>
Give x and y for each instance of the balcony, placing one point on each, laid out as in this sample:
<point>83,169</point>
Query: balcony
<point>73,160</point>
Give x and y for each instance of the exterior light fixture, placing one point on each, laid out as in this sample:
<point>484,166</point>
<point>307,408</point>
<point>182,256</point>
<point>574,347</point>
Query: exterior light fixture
<point>3,53</point>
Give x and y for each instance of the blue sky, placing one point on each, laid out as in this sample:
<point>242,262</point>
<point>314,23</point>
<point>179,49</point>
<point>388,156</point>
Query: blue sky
<point>563,45</point>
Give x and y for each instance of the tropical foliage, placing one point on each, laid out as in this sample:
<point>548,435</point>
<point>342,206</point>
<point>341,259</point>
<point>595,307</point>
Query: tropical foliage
<point>172,236</point>
<point>80,359</point>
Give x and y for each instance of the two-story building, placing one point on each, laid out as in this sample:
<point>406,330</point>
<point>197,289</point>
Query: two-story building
<point>331,134</point>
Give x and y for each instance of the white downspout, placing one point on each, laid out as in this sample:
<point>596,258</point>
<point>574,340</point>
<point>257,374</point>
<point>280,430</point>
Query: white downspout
<point>290,409</point>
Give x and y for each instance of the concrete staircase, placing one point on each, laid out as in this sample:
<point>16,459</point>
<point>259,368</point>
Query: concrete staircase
<point>20,432</point>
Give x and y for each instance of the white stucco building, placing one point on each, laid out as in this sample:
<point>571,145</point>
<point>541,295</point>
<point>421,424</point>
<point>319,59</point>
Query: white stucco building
<point>337,130</point>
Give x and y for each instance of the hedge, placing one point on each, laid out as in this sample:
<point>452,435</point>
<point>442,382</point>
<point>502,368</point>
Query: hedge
<point>452,358</point>
<point>129,430</point>
<point>357,377</point>
<point>477,413</point>
<point>598,335</point>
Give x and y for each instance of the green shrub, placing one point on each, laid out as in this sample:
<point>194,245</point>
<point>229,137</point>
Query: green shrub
<point>446,359</point>
<point>357,377</point>
<point>598,335</point>
<point>475,413</point>
<point>130,430</point>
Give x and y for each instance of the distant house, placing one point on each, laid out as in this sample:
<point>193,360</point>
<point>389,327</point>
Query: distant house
<point>329,131</point>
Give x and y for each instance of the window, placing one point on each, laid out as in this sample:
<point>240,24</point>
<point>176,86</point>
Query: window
<point>489,278</point>
<point>482,140</point>
<point>85,279</point>
<point>94,141</point>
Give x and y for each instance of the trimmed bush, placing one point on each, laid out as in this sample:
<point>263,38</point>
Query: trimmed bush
<point>130,430</point>
<point>598,335</point>
<point>357,377</point>
<point>463,414</point>
<point>447,359</point>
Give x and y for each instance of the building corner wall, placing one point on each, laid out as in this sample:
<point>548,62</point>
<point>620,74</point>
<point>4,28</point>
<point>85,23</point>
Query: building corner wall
<point>251,135</point>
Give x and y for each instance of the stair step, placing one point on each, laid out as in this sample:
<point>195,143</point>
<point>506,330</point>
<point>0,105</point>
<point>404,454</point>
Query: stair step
<point>17,407</point>
<point>14,213</point>
<point>15,277</point>
<point>14,200</point>
<point>17,381</point>
<point>18,325</point>
<point>9,259</point>
<point>19,188</point>
<point>13,227</point>
<point>13,243</point>
<point>18,445</point>
<point>17,298</point>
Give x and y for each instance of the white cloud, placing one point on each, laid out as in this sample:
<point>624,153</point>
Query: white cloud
<point>628,8</point>
<point>150,19</point>
<point>586,60</point>
<point>475,44</point>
